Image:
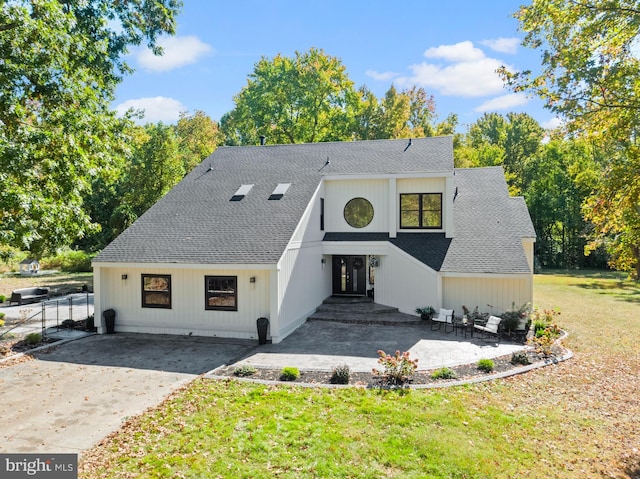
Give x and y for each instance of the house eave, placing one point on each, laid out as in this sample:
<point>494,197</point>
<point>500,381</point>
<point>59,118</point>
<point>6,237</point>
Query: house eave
<point>175,266</point>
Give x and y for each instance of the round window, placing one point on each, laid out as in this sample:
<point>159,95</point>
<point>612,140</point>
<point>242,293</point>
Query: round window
<point>358,212</point>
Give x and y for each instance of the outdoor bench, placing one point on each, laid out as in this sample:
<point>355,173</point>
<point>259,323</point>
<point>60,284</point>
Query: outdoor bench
<point>29,295</point>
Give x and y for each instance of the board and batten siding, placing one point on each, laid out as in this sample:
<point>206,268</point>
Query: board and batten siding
<point>187,314</point>
<point>405,283</point>
<point>339,192</point>
<point>490,295</point>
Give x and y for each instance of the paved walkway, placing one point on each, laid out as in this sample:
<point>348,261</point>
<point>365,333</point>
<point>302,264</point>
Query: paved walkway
<point>69,398</point>
<point>320,345</point>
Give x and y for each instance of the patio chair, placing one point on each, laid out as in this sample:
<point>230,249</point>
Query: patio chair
<point>445,316</point>
<point>491,328</point>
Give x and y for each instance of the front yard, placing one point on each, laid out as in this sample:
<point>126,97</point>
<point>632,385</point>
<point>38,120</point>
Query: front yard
<point>576,419</point>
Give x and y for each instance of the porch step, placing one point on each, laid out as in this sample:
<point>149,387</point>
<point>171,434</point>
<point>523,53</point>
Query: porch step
<point>358,310</point>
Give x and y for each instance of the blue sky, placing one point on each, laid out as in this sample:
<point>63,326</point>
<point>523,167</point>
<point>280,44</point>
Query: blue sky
<point>449,48</point>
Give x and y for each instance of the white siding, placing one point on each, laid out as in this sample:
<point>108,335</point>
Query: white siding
<point>491,295</point>
<point>339,192</point>
<point>187,313</point>
<point>405,283</point>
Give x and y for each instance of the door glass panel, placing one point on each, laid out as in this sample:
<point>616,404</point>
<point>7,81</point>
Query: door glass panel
<point>354,280</point>
<point>343,276</point>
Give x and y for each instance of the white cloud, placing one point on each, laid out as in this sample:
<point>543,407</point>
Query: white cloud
<point>552,124</point>
<point>381,76</point>
<point>468,79</point>
<point>504,102</point>
<point>459,52</point>
<point>503,45</point>
<point>159,108</point>
<point>178,52</point>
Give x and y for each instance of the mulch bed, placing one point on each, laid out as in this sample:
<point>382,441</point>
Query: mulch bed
<point>368,379</point>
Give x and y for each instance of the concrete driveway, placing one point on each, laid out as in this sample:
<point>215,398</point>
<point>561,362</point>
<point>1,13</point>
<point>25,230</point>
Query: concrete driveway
<point>70,397</point>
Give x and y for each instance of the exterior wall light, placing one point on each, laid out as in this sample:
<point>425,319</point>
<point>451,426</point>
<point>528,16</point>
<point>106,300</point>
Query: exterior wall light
<point>124,276</point>
<point>252,279</point>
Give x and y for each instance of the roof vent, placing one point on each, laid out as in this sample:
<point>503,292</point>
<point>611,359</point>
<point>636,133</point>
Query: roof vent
<point>263,140</point>
<point>241,193</point>
<point>280,190</point>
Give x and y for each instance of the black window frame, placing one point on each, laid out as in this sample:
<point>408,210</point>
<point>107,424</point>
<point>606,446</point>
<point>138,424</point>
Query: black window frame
<point>207,296</point>
<point>146,293</point>
<point>420,212</point>
<point>321,214</point>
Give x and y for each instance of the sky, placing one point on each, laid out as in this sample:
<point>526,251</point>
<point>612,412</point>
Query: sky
<point>450,48</point>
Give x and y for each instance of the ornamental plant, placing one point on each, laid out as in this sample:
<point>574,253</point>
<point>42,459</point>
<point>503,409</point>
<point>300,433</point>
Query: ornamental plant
<point>486,365</point>
<point>289,373</point>
<point>398,369</point>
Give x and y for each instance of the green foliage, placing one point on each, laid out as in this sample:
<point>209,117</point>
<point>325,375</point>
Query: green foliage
<point>444,373</point>
<point>340,374</point>
<point>520,358</point>
<point>589,76</point>
<point>289,373</point>
<point>516,319</point>
<point>428,311</point>
<point>244,371</point>
<point>198,136</point>
<point>486,365</point>
<point>69,261</point>
<point>33,338</point>
<point>61,64</point>
<point>3,298</point>
<point>398,368</point>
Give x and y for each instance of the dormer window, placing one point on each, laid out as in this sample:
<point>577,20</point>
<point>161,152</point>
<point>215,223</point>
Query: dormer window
<point>241,193</point>
<point>280,190</point>
<point>421,211</point>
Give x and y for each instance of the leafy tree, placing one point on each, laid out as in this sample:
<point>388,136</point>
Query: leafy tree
<point>301,99</point>
<point>198,136</point>
<point>156,167</point>
<point>591,76</point>
<point>61,61</point>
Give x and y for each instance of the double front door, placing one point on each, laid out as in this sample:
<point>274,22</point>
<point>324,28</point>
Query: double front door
<point>349,275</point>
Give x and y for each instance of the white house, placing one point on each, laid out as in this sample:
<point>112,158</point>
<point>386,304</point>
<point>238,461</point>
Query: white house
<point>271,231</point>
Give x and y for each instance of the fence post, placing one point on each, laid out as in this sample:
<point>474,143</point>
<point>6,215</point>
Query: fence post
<point>44,321</point>
<point>71,308</point>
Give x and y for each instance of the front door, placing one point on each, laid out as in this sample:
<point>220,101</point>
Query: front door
<point>349,275</point>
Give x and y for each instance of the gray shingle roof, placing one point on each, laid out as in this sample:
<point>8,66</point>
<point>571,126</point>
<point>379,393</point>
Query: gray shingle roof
<point>197,223</point>
<point>489,225</point>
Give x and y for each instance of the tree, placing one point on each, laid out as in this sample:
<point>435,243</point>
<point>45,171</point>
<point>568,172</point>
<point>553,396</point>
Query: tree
<point>300,99</point>
<point>61,61</point>
<point>591,76</point>
<point>156,167</point>
<point>198,137</point>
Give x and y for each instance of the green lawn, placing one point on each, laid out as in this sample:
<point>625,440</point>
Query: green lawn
<point>575,419</point>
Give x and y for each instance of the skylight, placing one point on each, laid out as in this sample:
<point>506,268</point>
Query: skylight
<point>280,190</point>
<point>241,193</point>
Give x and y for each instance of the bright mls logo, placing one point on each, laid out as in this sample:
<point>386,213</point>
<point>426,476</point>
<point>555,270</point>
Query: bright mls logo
<point>51,466</point>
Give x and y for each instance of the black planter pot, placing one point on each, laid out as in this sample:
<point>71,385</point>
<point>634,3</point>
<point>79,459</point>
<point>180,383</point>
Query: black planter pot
<point>110,320</point>
<point>263,325</point>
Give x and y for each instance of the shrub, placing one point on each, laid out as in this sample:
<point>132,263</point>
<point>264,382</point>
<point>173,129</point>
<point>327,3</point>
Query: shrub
<point>486,365</point>
<point>68,324</point>
<point>289,374</point>
<point>520,358</point>
<point>69,261</point>
<point>511,320</point>
<point>3,298</point>
<point>398,369</point>
<point>1,322</point>
<point>444,373</point>
<point>33,338</point>
<point>244,371</point>
<point>2,315</point>
<point>340,375</point>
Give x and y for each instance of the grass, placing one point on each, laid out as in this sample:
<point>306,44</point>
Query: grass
<point>577,419</point>
<point>59,283</point>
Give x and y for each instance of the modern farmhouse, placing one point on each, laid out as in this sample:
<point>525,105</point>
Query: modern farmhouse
<point>271,231</point>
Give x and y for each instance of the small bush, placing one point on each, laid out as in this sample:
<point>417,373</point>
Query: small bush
<point>2,315</point>
<point>520,358</point>
<point>289,374</point>
<point>398,369</point>
<point>1,322</point>
<point>33,338</point>
<point>340,375</point>
<point>244,371</point>
<point>3,298</point>
<point>69,261</point>
<point>444,373</point>
<point>486,365</point>
<point>68,324</point>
